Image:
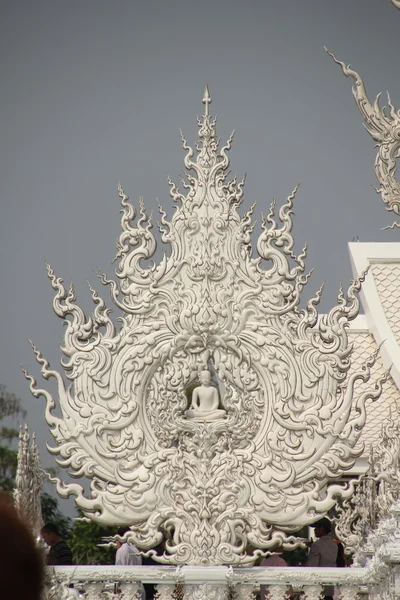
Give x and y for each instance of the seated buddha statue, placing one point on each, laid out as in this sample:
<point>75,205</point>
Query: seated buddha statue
<point>205,401</point>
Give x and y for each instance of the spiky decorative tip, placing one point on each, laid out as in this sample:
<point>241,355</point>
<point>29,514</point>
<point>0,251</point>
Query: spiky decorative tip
<point>206,99</point>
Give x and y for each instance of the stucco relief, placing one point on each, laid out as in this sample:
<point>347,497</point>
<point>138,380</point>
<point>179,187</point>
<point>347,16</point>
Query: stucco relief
<point>257,463</point>
<point>383,125</point>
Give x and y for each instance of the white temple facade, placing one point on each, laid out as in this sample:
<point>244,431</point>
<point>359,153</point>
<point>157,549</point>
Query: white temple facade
<point>219,417</point>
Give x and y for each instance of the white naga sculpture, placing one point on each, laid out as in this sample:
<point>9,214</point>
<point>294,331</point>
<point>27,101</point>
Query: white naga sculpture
<point>384,128</point>
<point>219,469</point>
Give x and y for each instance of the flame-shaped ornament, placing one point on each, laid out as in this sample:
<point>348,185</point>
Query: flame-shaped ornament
<point>247,455</point>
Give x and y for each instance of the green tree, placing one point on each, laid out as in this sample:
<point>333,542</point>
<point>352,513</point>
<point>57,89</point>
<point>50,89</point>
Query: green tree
<point>51,514</point>
<point>85,536</point>
<point>82,536</point>
<point>10,407</point>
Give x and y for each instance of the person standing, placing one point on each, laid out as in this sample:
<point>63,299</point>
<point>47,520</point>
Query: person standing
<point>59,553</point>
<point>127,553</point>
<point>275,560</point>
<point>150,588</point>
<point>324,551</point>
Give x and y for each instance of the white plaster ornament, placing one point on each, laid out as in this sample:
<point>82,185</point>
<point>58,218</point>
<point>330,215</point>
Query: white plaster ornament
<point>376,492</point>
<point>384,128</point>
<point>221,468</point>
<point>29,482</point>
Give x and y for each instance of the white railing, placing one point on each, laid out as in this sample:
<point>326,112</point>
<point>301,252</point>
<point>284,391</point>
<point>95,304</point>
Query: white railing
<point>379,579</point>
<point>218,583</point>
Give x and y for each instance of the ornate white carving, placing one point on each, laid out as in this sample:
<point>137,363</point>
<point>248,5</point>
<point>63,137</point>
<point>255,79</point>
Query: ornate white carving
<point>388,474</point>
<point>353,520</point>
<point>384,128</point>
<point>313,592</point>
<point>279,592</point>
<point>165,591</point>
<point>131,591</point>
<point>348,593</point>
<point>243,592</point>
<point>194,575</point>
<point>29,483</point>
<point>362,520</point>
<point>262,467</point>
<point>94,589</point>
<point>206,590</point>
<point>56,589</point>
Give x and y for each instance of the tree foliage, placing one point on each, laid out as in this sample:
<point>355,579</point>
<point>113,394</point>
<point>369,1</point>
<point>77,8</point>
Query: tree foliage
<point>11,409</point>
<point>85,536</point>
<point>51,514</point>
<point>82,536</point>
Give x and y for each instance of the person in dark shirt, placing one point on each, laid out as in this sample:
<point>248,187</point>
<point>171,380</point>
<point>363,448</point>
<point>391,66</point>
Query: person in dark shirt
<point>59,553</point>
<point>324,551</point>
<point>150,588</point>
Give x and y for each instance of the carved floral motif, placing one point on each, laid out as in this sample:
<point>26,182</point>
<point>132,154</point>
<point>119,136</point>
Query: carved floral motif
<point>264,468</point>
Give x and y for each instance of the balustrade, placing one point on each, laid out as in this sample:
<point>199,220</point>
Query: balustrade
<point>216,583</point>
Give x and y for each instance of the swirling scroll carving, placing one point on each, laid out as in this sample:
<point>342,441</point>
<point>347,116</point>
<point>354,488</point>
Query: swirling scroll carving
<point>281,375</point>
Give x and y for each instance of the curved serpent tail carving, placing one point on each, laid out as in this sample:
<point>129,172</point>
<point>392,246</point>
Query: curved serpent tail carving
<point>384,127</point>
<point>218,410</point>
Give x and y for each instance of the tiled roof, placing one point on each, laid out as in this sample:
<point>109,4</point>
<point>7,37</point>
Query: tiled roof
<point>387,281</point>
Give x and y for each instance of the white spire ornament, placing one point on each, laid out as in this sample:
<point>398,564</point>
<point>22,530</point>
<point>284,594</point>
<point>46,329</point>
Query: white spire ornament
<point>219,470</point>
<point>29,483</point>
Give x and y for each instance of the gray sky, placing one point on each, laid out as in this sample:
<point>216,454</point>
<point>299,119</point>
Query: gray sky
<point>94,92</point>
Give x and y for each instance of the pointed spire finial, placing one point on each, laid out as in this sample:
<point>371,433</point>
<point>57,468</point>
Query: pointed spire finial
<point>207,99</point>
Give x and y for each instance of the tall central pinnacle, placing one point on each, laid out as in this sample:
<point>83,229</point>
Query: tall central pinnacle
<point>206,99</point>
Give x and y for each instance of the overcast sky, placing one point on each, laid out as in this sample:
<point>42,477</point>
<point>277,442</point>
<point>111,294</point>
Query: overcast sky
<point>94,92</point>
